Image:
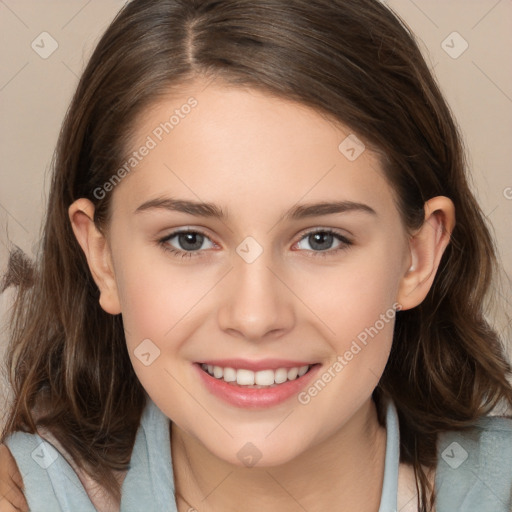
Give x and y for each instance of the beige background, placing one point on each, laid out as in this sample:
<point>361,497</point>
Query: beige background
<point>35,92</point>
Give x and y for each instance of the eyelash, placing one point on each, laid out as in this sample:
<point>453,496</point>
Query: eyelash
<point>323,254</point>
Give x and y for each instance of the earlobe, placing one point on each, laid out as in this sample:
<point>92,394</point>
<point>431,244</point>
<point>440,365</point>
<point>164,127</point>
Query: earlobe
<point>97,252</point>
<point>426,247</point>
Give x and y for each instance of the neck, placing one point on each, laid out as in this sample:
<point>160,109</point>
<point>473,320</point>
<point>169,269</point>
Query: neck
<point>347,469</point>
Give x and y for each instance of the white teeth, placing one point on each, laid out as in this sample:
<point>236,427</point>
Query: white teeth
<point>245,377</point>
<point>292,373</point>
<point>303,370</point>
<point>281,375</point>
<point>264,378</point>
<point>260,378</point>
<point>229,374</point>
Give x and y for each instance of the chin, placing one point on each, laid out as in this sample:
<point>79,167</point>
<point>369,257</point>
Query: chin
<point>255,454</point>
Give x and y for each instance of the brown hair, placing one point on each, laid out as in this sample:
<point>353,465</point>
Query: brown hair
<point>353,60</point>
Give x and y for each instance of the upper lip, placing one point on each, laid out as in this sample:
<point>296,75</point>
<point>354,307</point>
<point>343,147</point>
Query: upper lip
<point>263,364</point>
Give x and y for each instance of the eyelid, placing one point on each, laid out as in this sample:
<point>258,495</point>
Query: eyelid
<point>334,231</point>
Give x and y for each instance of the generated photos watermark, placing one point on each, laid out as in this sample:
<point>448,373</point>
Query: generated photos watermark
<point>357,345</point>
<point>151,142</point>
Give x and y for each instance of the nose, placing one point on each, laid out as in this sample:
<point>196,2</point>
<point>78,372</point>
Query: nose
<point>255,303</point>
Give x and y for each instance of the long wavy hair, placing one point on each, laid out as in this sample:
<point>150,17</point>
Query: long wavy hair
<point>352,60</point>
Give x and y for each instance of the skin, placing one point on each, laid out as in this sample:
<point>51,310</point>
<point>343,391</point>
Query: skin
<point>11,484</point>
<point>257,156</point>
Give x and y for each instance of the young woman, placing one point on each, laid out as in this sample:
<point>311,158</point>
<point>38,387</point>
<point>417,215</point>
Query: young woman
<point>262,279</point>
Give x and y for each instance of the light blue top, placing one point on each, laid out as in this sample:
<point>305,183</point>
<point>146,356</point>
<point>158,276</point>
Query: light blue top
<point>474,473</point>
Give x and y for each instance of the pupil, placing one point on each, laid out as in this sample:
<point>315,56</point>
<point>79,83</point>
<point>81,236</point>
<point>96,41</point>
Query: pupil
<point>191,241</point>
<point>317,240</point>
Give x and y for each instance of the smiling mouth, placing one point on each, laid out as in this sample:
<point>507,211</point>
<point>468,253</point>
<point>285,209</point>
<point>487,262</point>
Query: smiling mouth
<point>256,379</point>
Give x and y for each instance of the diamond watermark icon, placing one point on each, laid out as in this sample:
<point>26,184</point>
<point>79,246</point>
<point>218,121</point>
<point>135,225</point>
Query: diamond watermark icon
<point>249,250</point>
<point>44,45</point>
<point>454,455</point>
<point>351,147</point>
<point>249,455</point>
<point>454,45</point>
<point>146,352</point>
<point>45,455</point>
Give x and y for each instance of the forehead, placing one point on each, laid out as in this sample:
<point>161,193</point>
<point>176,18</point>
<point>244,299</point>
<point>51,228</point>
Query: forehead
<point>241,147</point>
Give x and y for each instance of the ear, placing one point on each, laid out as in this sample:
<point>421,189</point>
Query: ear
<point>426,247</point>
<point>97,251</point>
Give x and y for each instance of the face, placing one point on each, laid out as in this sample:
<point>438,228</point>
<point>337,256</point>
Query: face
<point>270,286</point>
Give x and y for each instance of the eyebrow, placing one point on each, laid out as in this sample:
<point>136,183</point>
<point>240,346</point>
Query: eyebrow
<point>297,212</point>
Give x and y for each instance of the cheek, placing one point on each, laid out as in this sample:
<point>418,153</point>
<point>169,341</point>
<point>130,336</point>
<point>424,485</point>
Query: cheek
<point>157,299</point>
<point>355,303</point>
<point>357,310</point>
<point>155,296</point>
<point>351,297</point>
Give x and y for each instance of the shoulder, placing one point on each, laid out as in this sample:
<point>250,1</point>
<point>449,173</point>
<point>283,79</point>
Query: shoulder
<point>474,471</point>
<point>46,475</point>
<point>488,442</point>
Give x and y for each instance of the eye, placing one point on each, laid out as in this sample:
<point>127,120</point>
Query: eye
<point>190,243</point>
<point>321,241</point>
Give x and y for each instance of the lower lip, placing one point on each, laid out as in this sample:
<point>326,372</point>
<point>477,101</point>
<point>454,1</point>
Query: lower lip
<point>251,398</point>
